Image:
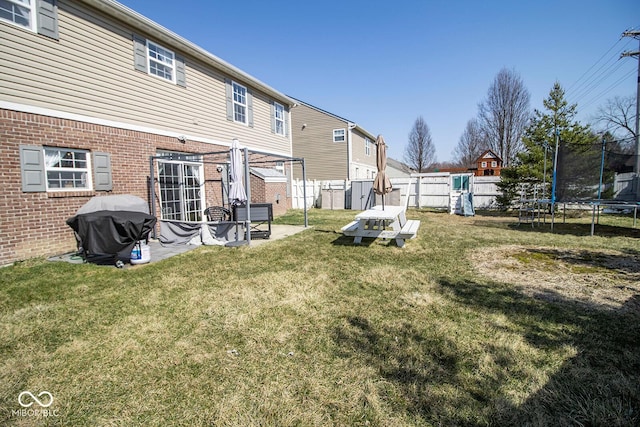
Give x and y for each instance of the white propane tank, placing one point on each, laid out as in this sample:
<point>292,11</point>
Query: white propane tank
<point>141,253</point>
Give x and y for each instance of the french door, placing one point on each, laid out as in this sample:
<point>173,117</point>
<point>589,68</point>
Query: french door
<point>181,187</point>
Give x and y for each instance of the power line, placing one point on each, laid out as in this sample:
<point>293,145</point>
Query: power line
<point>590,68</point>
<point>599,75</point>
<point>609,88</point>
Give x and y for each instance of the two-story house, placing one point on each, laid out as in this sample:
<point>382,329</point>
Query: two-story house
<point>89,91</point>
<point>333,147</point>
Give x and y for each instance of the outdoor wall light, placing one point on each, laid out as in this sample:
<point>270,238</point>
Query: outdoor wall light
<point>277,197</point>
<point>182,139</point>
<point>219,168</point>
<point>304,125</point>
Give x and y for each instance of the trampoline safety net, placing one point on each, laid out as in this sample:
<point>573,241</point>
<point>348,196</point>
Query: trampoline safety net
<point>582,167</point>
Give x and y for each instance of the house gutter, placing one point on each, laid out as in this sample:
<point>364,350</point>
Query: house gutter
<point>161,34</point>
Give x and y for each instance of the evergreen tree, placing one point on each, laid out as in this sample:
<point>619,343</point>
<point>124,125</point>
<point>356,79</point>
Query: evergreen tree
<point>557,118</point>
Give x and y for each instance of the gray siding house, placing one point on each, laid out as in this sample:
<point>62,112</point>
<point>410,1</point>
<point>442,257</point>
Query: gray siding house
<point>89,90</point>
<point>397,169</point>
<point>333,147</point>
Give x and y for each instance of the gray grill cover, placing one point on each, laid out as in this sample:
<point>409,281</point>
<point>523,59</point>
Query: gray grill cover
<point>108,227</point>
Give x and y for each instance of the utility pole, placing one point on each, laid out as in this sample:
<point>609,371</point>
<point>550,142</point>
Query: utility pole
<point>636,168</point>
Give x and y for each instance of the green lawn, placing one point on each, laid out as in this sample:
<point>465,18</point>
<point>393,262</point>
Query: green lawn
<point>312,331</point>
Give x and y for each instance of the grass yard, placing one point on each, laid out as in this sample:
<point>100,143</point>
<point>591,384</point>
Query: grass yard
<point>476,322</point>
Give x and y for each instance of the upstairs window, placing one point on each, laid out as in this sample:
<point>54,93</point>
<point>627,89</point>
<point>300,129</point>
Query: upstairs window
<point>494,164</point>
<point>484,164</point>
<point>161,61</point>
<point>239,103</point>
<point>153,59</point>
<point>279,118</point>
<point>18,12</point>
<point>67,169</point>
<point>338,135</point>
<point>367,146</point>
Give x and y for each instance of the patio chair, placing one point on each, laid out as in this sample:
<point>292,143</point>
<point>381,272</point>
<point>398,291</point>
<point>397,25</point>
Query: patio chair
<point>217,214</point>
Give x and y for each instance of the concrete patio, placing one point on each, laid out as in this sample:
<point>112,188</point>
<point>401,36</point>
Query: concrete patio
<point>160,252</point>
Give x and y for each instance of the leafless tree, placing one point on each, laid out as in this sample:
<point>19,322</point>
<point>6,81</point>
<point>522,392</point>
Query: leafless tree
<point>504,114</point>
<point>471,144</point>
<point>420,152</point>
<point>618,116</point>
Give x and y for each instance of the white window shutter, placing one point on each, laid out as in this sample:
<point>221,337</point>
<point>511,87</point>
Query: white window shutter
<point>32,169</point>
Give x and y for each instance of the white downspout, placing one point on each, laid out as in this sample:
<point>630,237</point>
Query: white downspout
<point>349,149</point>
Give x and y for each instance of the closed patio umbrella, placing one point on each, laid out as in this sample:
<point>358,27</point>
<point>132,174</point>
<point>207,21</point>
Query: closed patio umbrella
<point>381,184</point>
<point>237,194</point>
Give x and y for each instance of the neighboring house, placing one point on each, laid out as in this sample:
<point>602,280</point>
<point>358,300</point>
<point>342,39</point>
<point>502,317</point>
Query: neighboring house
<point>89,90</point>
<point>334,148</point>
<point>396,169</point>
<point>488,164</point>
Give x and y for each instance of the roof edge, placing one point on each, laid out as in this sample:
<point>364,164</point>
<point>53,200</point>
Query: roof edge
<point>139,21</point>
<point>351,124</point>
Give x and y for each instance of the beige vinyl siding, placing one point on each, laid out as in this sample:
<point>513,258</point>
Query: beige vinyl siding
<point>358,149</point>
<point>362,166</point>
<point>324,159</point>
<point>89,71</point>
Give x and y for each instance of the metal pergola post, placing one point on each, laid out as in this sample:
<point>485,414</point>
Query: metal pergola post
<point>247,188</point>
<point>152,192</point>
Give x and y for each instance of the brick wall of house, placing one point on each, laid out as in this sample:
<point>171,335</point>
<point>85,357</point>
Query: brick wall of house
<point>33,224</point>
<point>270,192</point>
<point>257,189</point>
<point>276,193</point>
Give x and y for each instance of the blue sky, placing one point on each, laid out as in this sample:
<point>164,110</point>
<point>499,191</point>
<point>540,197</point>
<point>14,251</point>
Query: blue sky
<point>381,64</point>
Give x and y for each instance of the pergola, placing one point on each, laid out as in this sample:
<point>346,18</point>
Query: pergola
<point>218,160</point>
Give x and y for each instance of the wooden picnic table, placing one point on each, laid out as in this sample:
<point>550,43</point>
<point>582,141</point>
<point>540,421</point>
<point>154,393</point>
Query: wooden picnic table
<point>389,222</point>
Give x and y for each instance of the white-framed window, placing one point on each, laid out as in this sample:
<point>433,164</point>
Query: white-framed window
<point>239,103</point>
<point>338,135</point>
<point>483,164</point>
<point>279,118</point>
<point>280,167</point>
<point>67,169</point>
<point>494,164</point>
<point>161,61</point>
<point>367,146</point>
<point>19,12</point>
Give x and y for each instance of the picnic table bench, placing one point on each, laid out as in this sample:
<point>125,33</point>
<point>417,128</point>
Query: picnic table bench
<point>388,222</point>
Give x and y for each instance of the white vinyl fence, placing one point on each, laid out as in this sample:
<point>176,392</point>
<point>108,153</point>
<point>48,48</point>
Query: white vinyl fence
<point>430,190</point>
<point>623,186</point>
